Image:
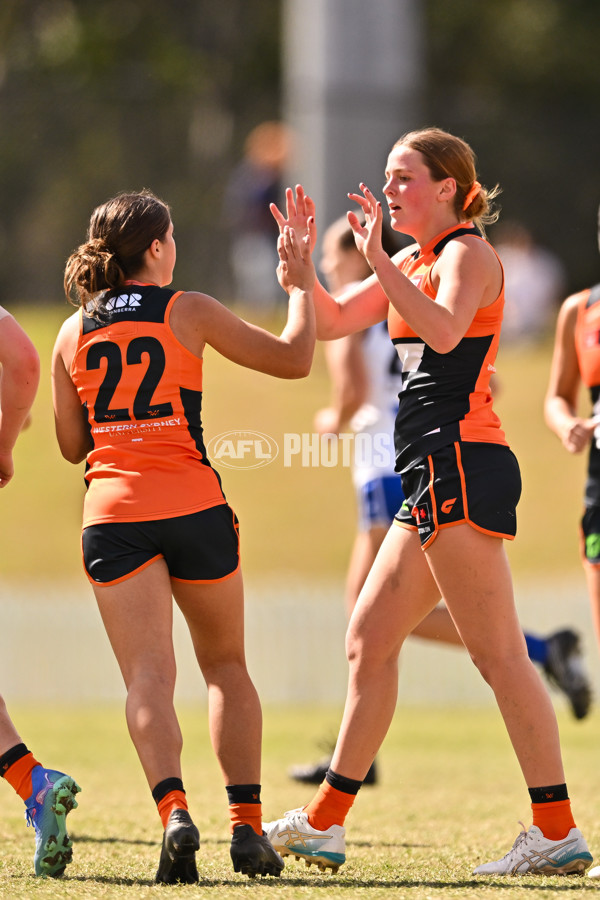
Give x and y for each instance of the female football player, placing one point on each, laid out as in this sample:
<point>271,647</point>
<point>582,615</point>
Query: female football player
<point>127,375</point>
<point>443,298</point>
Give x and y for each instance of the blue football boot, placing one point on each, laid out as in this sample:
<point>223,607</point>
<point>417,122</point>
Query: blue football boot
<point>52,797</point>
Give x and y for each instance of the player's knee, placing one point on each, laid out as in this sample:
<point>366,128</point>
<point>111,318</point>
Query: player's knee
<point>368,653</point>
<point>153,682</point>
<point>496,665</point>
<point>224,669</point>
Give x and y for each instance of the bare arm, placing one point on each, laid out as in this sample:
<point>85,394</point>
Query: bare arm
<point>351,312</point>
<point>18,386</point>
<point>71,427</point>
<point>198,319</point>
<point>467,276</point>
<point>560,405</point>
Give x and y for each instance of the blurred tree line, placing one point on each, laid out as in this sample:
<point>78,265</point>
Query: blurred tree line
<point>96,98</point>
<point>520,80</point>
<point>101,97</point>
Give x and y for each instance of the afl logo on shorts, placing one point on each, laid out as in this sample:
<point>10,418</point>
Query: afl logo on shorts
<point>242,450</point>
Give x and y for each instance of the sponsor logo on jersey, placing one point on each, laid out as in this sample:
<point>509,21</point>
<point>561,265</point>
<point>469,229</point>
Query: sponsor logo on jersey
<point>123,303</point>
<point>132,428</point>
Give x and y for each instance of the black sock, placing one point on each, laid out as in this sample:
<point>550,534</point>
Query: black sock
<point>11,756</point>
<point>165,787</point>
<point>243,793</point>
<point>341,783</point>
<point>549,794</point>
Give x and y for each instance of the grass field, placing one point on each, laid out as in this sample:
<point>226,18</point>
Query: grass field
<point>293,519</point>
<point>451,794</point>
<point>450,797</point>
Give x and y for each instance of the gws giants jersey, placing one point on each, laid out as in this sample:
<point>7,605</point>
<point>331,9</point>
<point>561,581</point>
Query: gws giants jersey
<point>141,391</point>
<point>587,346</point>
<point>444,397</point>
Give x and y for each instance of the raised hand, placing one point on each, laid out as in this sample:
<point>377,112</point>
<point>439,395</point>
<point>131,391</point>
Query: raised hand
<point>295,269</point>
<point>299,214</point>
<point>367,236</point>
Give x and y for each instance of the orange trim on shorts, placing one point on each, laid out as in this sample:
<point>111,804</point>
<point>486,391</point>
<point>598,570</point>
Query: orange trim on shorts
<point>207,580</point>
<point>498,534</point>
<point>123,577</point>
<point>436,526</point>
<point>466,520</point>
<point>433,536</point>
<point>463,484</point>
<point>236,527</point>
<point>149,562</point>
<point>405,525</point>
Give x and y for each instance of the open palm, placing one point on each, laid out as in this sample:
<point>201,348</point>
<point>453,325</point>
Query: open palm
<point>299,214</point>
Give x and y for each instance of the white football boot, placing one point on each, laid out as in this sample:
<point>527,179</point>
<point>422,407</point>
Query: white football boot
<point>293,836</point>
<point>532,852</point>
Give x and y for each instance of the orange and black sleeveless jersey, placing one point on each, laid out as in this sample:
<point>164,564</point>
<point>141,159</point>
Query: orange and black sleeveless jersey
<point>587,347</point>
<point>141,391</point>
<point>444,397</point>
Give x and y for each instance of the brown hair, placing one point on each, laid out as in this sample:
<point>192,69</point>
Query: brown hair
<point>345,236</point>
<point>448,156</point>
<point>341,232</point>
<point>120,232</point>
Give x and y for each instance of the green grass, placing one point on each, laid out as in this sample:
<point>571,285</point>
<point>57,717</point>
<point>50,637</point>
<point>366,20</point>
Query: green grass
<point>293,520</point>
<point>450,797</point>
<point>451,794</point>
